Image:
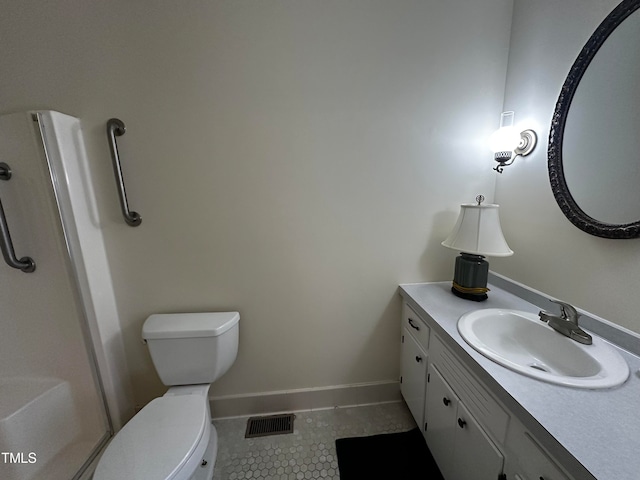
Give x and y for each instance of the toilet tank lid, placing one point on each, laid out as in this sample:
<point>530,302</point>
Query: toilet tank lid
<point>188,325</point>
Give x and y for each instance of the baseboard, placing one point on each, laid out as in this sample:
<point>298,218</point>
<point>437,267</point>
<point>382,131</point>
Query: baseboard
<point>304,399</point>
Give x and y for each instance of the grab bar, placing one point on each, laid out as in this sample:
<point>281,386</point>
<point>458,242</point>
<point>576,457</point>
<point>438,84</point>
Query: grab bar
<point>116,128</point>
<point>26,264</point>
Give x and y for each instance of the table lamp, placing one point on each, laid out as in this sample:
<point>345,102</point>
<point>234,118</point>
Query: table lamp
<point>477,234</point>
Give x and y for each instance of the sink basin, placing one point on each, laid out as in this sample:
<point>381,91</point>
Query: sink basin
<point>521,342</point>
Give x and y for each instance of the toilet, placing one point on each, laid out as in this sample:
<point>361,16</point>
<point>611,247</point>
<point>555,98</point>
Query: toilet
<point>172,438</point>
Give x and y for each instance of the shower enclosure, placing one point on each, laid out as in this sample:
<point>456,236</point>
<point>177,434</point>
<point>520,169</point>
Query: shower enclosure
<point>53,411</point>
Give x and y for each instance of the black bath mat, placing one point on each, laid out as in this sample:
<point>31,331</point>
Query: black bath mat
<point>397,456</point>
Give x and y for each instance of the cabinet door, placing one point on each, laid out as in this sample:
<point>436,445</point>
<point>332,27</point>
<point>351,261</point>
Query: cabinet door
<point>475,454</point>
<point>441,406</point>
<point>414,375</point>
<point>531,462</point>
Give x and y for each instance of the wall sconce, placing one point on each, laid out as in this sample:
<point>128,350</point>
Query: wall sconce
<point>477,233</point>
<point>507,143</point>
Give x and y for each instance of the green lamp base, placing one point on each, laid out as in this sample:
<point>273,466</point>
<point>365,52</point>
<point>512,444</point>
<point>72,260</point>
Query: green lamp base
<point>470,277</point>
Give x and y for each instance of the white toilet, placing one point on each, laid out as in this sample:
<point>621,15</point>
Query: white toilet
<point>172,438</point>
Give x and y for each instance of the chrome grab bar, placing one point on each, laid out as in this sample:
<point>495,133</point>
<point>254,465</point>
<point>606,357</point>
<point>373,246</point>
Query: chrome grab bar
<point>116,128</point>
<point>26,264</point>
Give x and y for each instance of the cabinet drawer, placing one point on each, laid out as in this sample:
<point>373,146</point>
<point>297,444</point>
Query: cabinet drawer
<point>478,400</point>
<point>414,324</point>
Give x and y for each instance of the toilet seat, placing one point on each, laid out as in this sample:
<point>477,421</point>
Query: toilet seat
<point>166,440</point>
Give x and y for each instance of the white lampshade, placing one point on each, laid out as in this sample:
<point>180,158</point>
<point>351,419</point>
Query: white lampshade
<point>478,232</point>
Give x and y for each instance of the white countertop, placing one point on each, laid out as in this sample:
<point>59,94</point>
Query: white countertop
<point>599,429</point>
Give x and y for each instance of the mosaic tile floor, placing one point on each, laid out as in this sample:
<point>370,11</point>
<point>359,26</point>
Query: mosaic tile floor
<point>310,451</point>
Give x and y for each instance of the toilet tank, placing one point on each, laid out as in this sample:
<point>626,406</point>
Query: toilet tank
<point>192,348</point>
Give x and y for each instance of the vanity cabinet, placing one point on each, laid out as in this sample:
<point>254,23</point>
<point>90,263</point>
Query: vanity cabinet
<point>469,433</point>
<point>459,444</point>
<point>413,362</point>
<point>457,441</point>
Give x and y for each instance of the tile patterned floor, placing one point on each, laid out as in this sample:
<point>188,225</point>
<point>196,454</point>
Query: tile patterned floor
<point>310,451</point>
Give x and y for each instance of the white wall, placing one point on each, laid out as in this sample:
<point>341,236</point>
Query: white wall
<point>551,255</point>
<point>293,160</point>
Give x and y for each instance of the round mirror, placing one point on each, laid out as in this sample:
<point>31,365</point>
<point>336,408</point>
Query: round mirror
<point>594,143</point>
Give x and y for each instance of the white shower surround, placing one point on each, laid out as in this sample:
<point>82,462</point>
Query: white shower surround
<point>61,335</point>
<point>70,174</point>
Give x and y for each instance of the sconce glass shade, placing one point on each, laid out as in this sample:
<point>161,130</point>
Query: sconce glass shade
<point>478,232</point>
<point>505,139</point>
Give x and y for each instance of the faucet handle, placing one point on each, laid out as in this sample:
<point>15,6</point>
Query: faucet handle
<point>567,310</point>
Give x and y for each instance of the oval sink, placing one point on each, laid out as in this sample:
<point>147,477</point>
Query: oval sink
<point>521,342</point>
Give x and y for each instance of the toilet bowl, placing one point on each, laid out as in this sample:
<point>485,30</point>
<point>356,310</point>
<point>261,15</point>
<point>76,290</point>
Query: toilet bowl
<point>172,437</point>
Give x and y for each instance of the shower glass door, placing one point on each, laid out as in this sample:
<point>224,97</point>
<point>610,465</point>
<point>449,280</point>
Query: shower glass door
<point>53,418</point>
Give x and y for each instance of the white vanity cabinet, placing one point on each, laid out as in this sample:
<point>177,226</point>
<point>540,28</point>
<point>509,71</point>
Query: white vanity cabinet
<point>413,362</point>
<point>460,445</point>
<point>456,440</point>
<point>469,433</point>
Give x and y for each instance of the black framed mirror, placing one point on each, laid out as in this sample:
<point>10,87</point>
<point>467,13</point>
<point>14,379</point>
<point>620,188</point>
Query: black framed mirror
<point>594,141</point>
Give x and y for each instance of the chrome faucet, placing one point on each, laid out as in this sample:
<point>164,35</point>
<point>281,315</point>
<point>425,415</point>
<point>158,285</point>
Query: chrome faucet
<point>566,323</point>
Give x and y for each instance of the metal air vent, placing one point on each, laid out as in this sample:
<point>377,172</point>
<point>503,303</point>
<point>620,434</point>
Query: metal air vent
<point>269,425</point>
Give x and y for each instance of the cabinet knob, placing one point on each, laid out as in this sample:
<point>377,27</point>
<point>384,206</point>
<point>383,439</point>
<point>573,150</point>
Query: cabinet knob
<point>418,358</point>
<point>446,401</point>
<point>413,324</point>
<point>461,423</point>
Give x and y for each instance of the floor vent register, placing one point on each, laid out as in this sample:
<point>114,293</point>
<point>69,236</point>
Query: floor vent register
<point>269,425</point>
